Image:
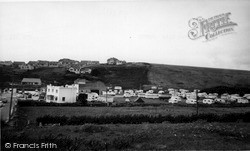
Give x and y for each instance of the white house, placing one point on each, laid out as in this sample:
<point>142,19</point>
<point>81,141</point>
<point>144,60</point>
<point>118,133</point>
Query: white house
<point>61,94</point>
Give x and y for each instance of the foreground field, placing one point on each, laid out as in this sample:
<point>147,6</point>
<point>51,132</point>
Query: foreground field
<point>31,113</point>
<point>198,135</point>
<point>190,136</point>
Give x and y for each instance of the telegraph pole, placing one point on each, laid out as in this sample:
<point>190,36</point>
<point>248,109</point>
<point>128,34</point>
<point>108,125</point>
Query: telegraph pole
<point>197,104</point>
<point>106,96</point>
<point>11,97</point>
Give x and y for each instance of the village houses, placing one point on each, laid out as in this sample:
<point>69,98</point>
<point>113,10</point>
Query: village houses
<point>6,63</point>
<point>26,67</point>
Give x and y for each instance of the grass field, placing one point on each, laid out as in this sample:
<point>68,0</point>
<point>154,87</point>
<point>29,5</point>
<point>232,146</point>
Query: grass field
<point>33,112</point>
<point>191,136</point>
<point>199,135</point>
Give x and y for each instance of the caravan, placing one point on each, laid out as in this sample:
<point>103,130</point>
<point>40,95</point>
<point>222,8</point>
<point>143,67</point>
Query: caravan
<point>191,101</point>
<point>208,101</point>
<point>174,99</point>
<point>92,97</point>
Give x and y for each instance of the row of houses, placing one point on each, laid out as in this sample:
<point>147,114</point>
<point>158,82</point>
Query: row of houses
<point>72,65</point>
<point>67,63</point>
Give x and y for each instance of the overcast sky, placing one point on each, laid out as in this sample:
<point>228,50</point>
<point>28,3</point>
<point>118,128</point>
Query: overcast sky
<point>153,31</point>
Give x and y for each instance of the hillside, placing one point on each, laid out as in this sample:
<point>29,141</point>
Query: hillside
<point>139,74</point>
<point>197,77</point>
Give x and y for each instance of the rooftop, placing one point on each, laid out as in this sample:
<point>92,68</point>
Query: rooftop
<point>31,80</point>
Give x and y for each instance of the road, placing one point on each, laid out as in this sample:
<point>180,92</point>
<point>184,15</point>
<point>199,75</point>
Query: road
<point>5,109</point>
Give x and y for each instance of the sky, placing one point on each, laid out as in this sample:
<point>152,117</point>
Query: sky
<point>153,31</point>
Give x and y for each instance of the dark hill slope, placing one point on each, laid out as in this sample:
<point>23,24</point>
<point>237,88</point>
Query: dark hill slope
<point>196,77</point>
<point>127,76</point>
<point>139,74</point>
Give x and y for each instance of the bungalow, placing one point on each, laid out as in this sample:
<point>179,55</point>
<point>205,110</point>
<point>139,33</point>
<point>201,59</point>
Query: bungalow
<point>26,67</point>
<point>43,63</point>
<point>112,61</point>
<point>6,63</point>
<point>85,70</point>
<point>65,62</point>
<point>53,64</point>
<point>17,64</point>
<point>75,69</point>
<point>31,81</point>
<point>33,63</point>
<point>120,62</point>
<point>61,94</point>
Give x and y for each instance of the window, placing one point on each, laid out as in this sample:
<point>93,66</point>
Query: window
<point>63,98</point>
<point>56,98</point>
<point>56,91</point>
<point>52,90</point>
<point>48,90</point>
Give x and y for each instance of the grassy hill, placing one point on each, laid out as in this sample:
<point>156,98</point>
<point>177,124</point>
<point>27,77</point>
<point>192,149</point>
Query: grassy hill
<point>197,77</point>
<point>139,74</point>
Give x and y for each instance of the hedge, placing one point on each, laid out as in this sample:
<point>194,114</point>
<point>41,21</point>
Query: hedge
<point>141,118</point>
